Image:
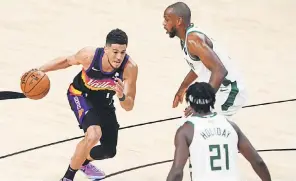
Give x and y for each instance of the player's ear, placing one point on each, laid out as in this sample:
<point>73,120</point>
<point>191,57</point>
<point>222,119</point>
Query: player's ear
<point>179,21</point>
<point>106,48</point>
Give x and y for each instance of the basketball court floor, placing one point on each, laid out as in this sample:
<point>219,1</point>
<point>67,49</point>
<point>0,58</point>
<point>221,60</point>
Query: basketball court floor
<point>259,36</point>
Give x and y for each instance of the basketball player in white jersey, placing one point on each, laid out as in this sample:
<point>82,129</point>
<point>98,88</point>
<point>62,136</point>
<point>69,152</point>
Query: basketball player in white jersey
<point>207,62</point>
<point>212,142</point>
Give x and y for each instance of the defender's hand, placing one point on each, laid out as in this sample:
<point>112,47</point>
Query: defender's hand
<point>179,98</point>
<point>188,111</point>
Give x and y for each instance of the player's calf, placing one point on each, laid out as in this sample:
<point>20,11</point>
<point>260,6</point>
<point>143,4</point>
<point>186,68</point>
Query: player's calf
<point>92,136</point>
<point>98,152</point>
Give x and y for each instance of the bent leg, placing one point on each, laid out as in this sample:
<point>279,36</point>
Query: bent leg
<point>92,136</point>
<point>87,119</point>
<point>109,139</point>
<point>107,149</point>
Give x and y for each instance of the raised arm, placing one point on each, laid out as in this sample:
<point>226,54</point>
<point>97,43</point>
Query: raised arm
<point>190,77</point>
<point>199,45</point>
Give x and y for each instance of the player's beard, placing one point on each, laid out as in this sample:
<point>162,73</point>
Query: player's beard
<point>173,32</point>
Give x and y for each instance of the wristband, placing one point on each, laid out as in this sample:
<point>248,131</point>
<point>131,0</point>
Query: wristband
<point>122,98</point>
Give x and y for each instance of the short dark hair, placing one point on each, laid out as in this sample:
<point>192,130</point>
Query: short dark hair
<point>116,36</point>
<point>182,10</point>
<point>201,97</point>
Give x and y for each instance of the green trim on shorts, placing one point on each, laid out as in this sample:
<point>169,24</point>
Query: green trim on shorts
<point>232,95</point>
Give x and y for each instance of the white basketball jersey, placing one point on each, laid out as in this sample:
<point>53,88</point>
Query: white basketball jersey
<point>201,70</point>
<point>213,151</point>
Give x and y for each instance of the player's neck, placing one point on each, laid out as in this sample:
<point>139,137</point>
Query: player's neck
<point>182,31</point>
<point>202,114</point>
<point>182,34</point>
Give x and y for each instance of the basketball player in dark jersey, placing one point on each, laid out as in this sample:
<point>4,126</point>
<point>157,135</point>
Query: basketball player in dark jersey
<point>106,72</point>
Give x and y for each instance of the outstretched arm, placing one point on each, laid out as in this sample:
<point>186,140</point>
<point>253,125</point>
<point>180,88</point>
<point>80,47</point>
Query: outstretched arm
<point>199,45</point>
<point>81,57</point>
<point>129,86</point>
<point>182,143</point>
<point>249,152</point>
<point>190,77</point>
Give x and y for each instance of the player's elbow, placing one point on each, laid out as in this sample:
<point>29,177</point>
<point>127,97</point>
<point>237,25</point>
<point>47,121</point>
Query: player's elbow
<point>223,71</point>
<point>259,162</point>
<point>128,108</point>
<point>176,174</point>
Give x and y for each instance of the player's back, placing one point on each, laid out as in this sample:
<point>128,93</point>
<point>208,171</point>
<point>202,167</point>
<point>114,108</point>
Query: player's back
<point>213,151</point>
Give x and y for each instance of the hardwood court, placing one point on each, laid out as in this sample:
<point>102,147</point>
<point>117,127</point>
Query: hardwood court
<point>259,36</point>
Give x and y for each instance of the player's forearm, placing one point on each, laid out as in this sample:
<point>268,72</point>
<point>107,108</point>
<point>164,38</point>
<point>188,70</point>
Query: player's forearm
<point>127,104</point>
<point>56,64</point>
<point>217,78</point>
<point>262,170</point>
<point>190,77</point>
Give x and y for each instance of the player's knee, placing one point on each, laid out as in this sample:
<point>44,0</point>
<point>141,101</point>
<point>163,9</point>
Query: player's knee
<point>93,135</point>
<point>102,152</point>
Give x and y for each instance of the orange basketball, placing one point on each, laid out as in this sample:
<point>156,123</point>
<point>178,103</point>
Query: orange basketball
<point>35,84</point>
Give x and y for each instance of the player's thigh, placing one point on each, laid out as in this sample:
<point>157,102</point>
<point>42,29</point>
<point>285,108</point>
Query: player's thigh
<point>84,111</point>
<point>229,102</point>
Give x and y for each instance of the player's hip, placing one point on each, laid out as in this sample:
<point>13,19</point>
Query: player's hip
<point>97,99</point>
<point>89,112</point>
<point>231,100</point>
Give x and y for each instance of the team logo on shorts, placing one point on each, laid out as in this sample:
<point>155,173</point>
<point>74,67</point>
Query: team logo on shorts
<point>80,112</point>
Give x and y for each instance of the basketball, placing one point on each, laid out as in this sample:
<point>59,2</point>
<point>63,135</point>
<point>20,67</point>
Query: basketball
<point>35,84</point>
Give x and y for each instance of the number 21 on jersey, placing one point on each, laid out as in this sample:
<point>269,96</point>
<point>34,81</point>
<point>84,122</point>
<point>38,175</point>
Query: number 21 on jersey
<point>217,155</point>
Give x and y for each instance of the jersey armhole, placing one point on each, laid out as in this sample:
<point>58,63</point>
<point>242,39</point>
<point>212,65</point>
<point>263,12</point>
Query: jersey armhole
<point>235,128</point>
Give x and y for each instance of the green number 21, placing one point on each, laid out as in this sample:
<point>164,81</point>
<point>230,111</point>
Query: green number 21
<point>218,156</point>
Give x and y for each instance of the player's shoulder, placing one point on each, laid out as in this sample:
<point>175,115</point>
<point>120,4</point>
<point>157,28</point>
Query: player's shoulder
<point>234,125</point>
<point>196,39</point>
<point>86,52</point>
<point>185,131</point>
<point>131,64</point>
<point>130,69</point>
<point>186,127</point>
<point>88,49</point>
<point>195,35</point>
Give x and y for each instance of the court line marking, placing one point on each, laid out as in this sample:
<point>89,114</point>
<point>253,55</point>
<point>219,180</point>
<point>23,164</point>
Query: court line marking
<point>167,161</point>
<point>126,127</point>
<point>16,95</point>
